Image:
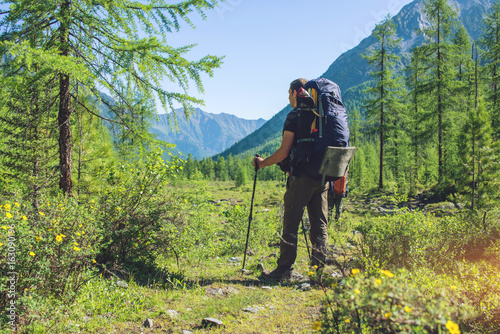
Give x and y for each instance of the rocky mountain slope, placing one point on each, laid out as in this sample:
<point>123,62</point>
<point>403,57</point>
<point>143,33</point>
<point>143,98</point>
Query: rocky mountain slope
<point>204,134</point>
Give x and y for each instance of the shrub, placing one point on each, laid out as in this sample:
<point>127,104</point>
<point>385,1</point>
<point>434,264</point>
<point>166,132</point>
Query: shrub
<point>480,286</point>
<point>135,211</point>
<point>385,303</point>
<point>45,248</point>
<point>412,239</point>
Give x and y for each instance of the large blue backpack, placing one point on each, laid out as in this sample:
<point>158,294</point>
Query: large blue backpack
<point>320,127</point>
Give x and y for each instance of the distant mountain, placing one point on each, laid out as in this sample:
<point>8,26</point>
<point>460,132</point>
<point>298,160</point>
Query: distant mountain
<point>204,134</point>
<point>351,72</point>
<point>268,131</point>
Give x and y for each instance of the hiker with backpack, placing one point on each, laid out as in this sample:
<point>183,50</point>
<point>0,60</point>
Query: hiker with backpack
<point>337,190</point>
<point>305,187</point>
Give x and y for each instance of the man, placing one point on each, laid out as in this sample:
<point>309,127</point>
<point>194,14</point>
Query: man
<point>337,190</point>
<point>302,191</point>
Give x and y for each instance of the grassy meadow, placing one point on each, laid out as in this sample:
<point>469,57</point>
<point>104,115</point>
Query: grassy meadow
<point>392,269</point>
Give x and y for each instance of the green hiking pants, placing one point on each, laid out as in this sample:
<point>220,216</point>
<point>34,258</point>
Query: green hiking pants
<point>302,192</point>
<point>335,202</point>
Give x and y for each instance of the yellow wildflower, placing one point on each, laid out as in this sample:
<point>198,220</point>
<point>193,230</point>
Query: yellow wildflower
<point>5,227</point>
<point>378,281</point>
<point>17,204</point>
<point>78,233</point>
<point>25,218</point>
<point>408,309</point>
<point>38,238</point>
<point>452,327</point>
<point>355,271</point>
<point>58,238</point>
<point>357,291</point>
<point>76,243</point>
<point>310,273</point>
<point>41,213</point>
<point>94,261</point>
<point>387,315</point>
<point>453,287</point>
<point>316,326</point>
<point>315,267</point>
<point>32,254</point>
<point>76,249</point>
<point>8,214</point>
<point>83,232</point>
<point>387,273</point>
<point>62,235</point>
<point>80,225</point>
<point>348,320</point>
<point>1,244</point>
<point>7,207</point>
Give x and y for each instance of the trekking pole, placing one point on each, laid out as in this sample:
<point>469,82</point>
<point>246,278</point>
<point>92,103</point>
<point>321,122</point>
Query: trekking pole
<point>305,238</point>
<point>251,209</point>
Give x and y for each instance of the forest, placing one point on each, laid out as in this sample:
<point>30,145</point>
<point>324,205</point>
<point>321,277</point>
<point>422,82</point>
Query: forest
<point>103,229</point>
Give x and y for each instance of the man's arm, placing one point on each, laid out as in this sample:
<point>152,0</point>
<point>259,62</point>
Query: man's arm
<point>280,154</point>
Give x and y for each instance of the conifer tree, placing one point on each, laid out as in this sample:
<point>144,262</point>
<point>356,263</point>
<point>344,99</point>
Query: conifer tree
<point>358,170</point>
<point>29,141</point>
<point>241,177</point>
<point>355,127</point>
<point>490,43</point>
<point>94,151</point>
<point>417,116</point>
<point>461,99</point>
<point>479,151</point>
<point>480,156</point>
<point>102,46</point>
<point>221,170</point>
<point>207,168</point>
<point>437,51</point>
<point>384,105</point>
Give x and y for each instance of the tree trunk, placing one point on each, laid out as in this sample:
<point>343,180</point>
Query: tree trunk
<point>382,95</point>
<point>65,182</point>
<point>439,103</point>
<point>35,171</point>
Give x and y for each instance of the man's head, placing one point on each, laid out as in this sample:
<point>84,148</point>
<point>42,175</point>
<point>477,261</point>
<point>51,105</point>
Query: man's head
<point>297,95</point>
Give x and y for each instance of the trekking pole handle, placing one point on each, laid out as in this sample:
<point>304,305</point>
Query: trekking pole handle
<point>255,162</point>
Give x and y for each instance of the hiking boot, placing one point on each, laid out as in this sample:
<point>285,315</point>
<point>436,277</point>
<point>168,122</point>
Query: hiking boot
<point>277,274</point>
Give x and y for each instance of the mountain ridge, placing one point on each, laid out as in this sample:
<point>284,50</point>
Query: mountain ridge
<point>203,134</point>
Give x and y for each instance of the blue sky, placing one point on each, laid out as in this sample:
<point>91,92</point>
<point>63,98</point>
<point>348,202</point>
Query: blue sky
<point>267,44</point>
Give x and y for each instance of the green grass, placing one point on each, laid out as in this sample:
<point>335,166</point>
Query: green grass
<point>214,230</point>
